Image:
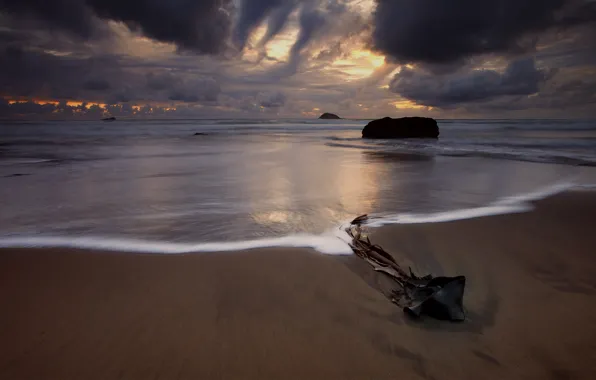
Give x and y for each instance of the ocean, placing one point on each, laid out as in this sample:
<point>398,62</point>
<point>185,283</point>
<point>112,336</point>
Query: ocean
<point>153,186</point>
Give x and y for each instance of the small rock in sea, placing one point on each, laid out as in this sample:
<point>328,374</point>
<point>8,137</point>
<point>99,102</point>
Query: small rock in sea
<point>200,134</point>
<point>329,116</point>
<point>16,175</point>
<point>402,128</point>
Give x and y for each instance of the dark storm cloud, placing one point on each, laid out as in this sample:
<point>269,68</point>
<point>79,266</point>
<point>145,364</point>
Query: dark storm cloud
<point>581,92</point>
<point>569,90</point>
<point>277,21</point>
<point>253,12</point>
<point>272,100</point>
<point>32,73</point>
<point>445,31</point>
<point>521,78</point>
<point>317,16</point>
<point>202,26</point>
<point>253,102</point>
<point>71,16</point>
<point>314,15</point>
<point>319,19</point>
<point>97,85</point>
<point>160,81</point>
<point>124,94</point>
<point>103,79</point>
<point>188,89</point>
<point>577,48</point>
<point>311,20</point>
<point>59,66</point>
<point>195,90</point>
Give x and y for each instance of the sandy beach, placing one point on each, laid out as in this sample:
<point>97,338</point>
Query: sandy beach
<point>299,314</point>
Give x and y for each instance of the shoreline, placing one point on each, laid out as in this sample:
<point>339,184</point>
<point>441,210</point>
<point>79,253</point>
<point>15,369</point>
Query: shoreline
<point>295,313</point>
<point>334,241</point>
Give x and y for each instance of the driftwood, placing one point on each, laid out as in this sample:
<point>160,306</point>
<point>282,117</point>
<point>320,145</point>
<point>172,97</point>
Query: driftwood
<point>438,297</point>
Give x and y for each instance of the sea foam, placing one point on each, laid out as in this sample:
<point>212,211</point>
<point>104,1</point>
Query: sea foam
<point>333,242</point>
<point>509,205</point>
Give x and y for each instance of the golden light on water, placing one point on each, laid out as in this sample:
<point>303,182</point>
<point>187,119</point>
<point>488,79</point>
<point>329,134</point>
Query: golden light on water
<point>267,218</point>
<point>358,185</point>
<point>349,178</point>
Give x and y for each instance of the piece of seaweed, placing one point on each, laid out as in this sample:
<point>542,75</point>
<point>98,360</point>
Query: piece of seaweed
<point>437,297</point>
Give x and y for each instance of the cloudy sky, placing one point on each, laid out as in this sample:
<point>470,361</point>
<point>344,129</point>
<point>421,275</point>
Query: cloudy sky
<point>297,58</point>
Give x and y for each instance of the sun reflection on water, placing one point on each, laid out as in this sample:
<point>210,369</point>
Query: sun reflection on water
<point>312,184</point>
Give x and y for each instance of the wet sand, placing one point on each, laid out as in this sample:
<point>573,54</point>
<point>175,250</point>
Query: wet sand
<point>297,314</point>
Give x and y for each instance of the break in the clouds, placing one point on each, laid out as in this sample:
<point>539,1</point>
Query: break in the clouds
<point>243,58</point>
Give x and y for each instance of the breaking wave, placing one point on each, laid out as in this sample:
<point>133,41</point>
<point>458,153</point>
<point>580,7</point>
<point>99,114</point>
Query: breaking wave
<point>332,242</point>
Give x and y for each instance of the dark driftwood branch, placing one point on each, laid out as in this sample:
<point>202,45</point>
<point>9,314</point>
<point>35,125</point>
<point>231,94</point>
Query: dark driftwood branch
<point>415,294</point>
<point>372,253</point>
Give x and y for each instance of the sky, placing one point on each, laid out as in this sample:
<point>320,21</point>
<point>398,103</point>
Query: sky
<point>87,59</point>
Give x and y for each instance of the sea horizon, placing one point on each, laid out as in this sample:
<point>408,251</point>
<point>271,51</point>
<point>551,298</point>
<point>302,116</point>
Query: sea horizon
<point>301,118</point>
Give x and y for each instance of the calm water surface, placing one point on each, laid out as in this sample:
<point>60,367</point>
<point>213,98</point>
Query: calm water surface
<point>252,179</point>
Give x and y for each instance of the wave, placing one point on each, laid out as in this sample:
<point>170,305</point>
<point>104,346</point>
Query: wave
<point>509,205</point>
<point>578,127</point>
<point>432,149</point>
<point>333,242</point>
<point>26,161</point>
<point>538,157</point>
<point>337,138</point>
<point>523,124</point>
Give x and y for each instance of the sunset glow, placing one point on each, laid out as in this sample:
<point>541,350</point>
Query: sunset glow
<point>71,103</point>
<point>359,64</point>
<point>292,59</point>
<point>408,104</point>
